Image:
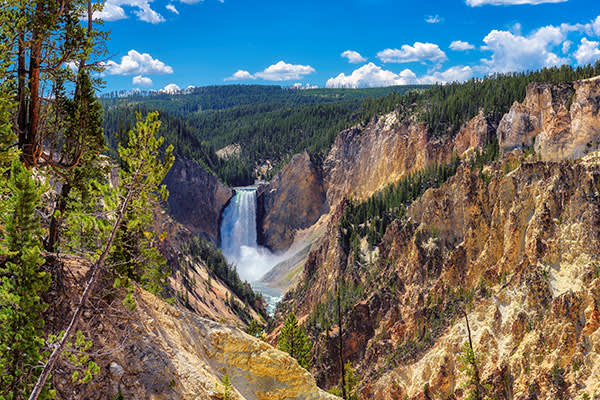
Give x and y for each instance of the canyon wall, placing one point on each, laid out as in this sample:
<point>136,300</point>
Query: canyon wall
<point>196,198</point>
<point>513,246</point>
<point>161,351</point>
<point>293,200</point>
<point>561,122</point>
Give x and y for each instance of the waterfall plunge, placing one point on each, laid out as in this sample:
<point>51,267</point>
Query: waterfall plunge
<point>239,245</point>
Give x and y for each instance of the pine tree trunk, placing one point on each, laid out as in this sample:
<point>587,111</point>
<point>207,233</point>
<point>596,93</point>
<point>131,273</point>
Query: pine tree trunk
<point>31,145</point>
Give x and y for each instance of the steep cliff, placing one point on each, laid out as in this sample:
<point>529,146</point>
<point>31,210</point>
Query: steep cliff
<point>196,198</point>
<point>517,253</point>
<point>513,244</point>
<point>159,351</point>
<point>365,159</point>
<point>561,121</point>
<point>293,200</point>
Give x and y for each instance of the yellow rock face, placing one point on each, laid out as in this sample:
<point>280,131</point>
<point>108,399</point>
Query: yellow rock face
<point>163,352</point>
<point>563,121</point>
<point>366,159</point>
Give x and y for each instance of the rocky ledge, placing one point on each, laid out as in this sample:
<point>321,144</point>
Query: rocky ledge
<point>561,122</point>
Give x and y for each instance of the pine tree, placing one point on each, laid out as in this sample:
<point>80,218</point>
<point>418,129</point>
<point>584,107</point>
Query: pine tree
<point>82,120</point>
<point>294,341</point>
<point>145,166</point>
<point>21,283</point>
<point>135,254</point>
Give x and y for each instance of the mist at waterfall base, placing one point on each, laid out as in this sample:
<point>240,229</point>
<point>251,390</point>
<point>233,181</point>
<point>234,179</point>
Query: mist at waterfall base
<point>240,247</point>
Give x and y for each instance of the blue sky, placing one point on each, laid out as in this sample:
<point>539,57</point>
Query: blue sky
<point>155,43</point>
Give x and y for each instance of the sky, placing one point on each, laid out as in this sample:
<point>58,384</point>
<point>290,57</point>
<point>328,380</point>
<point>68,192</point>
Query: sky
<point>171,44</point>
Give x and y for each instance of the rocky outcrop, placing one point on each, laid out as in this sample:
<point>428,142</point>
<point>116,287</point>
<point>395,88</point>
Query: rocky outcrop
<point>196,198</point>
<point>293,200</point>
<point>562,121</point>
<point>516,250</point>
<point>365,159</point>
<point>159,351</point>
<point>473,135</point>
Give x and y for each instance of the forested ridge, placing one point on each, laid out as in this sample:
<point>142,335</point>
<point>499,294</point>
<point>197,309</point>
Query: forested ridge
<point>271,123</point>
<point>268,122</point>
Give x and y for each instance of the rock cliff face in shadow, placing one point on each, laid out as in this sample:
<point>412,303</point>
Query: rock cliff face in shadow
<point>196,198</point>
<point>293,200</point>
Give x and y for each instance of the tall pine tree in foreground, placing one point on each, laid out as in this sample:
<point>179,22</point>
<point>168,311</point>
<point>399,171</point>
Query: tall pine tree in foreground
<point>21,283</point>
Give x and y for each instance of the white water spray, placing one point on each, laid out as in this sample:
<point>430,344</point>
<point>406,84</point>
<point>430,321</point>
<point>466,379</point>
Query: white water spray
<point>239,245</point>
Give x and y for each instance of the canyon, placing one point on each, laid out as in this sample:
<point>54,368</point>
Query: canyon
<point>513,244</point>
<point>509,246</point>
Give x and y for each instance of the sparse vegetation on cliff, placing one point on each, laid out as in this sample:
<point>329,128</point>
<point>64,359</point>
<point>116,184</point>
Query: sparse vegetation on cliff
<point>371,218</point>
<point>202,251</point>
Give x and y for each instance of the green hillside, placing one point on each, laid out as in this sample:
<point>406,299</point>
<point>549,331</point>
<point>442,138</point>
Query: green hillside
<point>270,123</point>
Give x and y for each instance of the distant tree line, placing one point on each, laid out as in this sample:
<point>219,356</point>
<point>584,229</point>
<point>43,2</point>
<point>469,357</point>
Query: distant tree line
<point>269,123</point>
<point>272,123</point>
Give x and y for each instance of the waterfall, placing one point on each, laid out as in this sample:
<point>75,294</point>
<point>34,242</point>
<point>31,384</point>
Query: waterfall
<point>239,244</point>
<point>238,227</point>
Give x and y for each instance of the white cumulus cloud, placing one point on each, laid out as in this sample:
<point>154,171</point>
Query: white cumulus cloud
<point>240,75</point>
<point>587,52</point>
<point>280,71</point>
<point>113,10</point>
<point>353,57</point>
<point>171,88</point>
<point>110,12</point>
<point>135,63</point>
<point>596,26</point>
<point>513,52</point>
<point>475,3</point>
<point>371,75</point>
<point>460,45</point>
<point>172,8</point>
<point>453,74</point>
<point>418,52</point>
<point>283,71</point>
<point>140,80</point>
